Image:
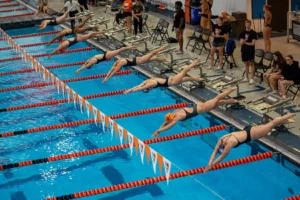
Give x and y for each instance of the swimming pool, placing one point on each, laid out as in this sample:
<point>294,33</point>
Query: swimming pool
<point>13,8</point>
<point>265,179</point>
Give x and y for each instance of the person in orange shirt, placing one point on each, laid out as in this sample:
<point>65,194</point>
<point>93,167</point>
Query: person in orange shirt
<point>127,13</point>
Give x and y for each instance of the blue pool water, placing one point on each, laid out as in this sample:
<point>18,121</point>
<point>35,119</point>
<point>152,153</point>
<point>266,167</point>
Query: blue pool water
<point>266,179</point>
<point>16,12</point>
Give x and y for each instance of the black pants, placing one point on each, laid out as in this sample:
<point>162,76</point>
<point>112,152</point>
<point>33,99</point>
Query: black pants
<point>84,4</point>
<point>137,24</point>
<point>72,14</point>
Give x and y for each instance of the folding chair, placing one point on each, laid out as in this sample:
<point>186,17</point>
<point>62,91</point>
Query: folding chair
<point>292,88</point>
<point>162,33</point>
<point>145,26</point>
<point>197,34</point>
<point>266,64</point>
<point>200,42</point>
<point>158,27</point>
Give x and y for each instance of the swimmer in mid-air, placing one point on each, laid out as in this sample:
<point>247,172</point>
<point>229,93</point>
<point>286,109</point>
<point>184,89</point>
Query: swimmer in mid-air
<point>184,114</point>
<point>149,84</point>
<point>134,61</point>
<point>235,139</point>
<point>56,21</point>
<point>76,30</point>
<point>70,42</point>
<point>102,57</point>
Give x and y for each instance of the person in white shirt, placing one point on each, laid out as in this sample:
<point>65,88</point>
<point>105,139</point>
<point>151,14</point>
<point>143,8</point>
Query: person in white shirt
<point>74,6</point>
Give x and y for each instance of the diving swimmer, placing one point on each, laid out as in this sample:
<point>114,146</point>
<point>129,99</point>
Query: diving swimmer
<point>235,139</point>
<point>184,114</point>
<point>179,78</point>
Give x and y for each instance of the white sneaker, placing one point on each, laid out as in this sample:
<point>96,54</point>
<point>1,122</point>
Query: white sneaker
<point>245,80</point>
<point>251,81</point>
<point>179,52</point>
<point>220,68</point>
<point>209,67</point>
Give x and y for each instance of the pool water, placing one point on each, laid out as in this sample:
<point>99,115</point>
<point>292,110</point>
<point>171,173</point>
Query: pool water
<point>265,179</point>
<point>15,12</point>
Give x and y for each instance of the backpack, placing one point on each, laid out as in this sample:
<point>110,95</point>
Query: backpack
<point>230,46</point>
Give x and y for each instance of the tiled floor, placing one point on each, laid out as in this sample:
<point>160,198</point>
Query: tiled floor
<point>251,92</point>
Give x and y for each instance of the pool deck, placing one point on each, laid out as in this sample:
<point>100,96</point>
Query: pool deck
<point>239,118</point>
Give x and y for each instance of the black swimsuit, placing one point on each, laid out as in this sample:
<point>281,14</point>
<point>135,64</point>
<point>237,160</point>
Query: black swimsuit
<point>72,42</point>
<point>209,8</point>
<point>99,60</point>
<point>165,84</point>
<point>248,139</point>
<point>53,22</point>
<point>131,63</point>
<point>267,25</point>
<point>192,114</point>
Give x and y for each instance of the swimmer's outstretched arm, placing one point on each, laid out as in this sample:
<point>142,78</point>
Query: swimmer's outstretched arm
<point>213,161</point>
<point>165,126</point>
<point>87,64</point>
<point>112,72</point>
<point>139,87</point>
<point>60,47</point>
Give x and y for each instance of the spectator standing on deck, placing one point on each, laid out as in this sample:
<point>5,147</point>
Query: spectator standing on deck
<point>83,4</point>
<point>75,9</point>
<point>137,13</point>
<point>127,13</point>
<point>179,25</point>
<point>247,39</point>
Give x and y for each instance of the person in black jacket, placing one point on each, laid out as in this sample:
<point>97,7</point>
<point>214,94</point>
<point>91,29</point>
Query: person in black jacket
<point>290,75</point>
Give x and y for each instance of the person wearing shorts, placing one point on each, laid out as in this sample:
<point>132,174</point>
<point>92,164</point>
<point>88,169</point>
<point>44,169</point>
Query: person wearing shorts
<point>247,39</point>
<point>179,25</point>
<point>218,43</point>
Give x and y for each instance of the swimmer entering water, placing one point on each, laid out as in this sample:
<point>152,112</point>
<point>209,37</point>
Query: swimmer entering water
<point>149,84</point>
<point>134,61</point>
<point>76,30</point>
<point>70,42</point>
<point>102,57</point>
<point>184,114</point>
<point>235,139</point>
<point>56,21</point>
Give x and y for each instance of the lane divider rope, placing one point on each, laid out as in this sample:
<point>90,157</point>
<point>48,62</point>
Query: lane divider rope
<point>54,102</point>
<point>5,1</point>
<point>31,45</point>
<point>46,54</point>
<point>89,121</point>
<point>20,15</point>
<point>12,10</point>
<point>111,148</point>
<point>89,108</point>
<point>157,179</point>
<point>293,198</point>
<point>47,67</point>
<point>125,72</point>
<point>33,34</point>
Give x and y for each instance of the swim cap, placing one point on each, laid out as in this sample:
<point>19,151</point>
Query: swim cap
<point>169,117</point>
<point>63,50</point>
